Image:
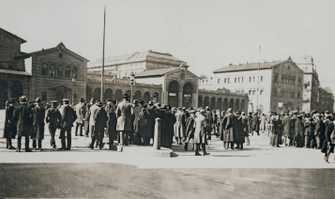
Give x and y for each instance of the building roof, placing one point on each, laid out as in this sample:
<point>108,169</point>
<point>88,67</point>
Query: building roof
<point>247,66</point>
<point>15,72</point>
<point>155,72</point>
<point>60,46</point>
<point>13,35</point>
<point>138,56</point>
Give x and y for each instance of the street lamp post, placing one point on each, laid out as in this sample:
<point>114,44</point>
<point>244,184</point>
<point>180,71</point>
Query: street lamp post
<point>73,80</point>
<point>132,84</point>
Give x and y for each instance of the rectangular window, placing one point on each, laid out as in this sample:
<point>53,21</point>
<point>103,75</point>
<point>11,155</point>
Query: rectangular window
<point>44,96</point>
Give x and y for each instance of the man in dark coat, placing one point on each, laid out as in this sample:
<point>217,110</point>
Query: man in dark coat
<point>238,130</point>
<point>111,122</point>
<point>10,126</point>
<point>23,115</point>
<point>38,124</point>
<point>255,123</point>
<point>100,122</point>
<point>299,132</point>
<point>276,130</point>
<point>68,118</point>
<point>286,128</point>
<point>328,142</point>
<point>151,119</point>
<point>53,117</point>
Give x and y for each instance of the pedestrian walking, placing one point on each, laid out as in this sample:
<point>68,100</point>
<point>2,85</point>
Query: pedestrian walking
<point>200,138</point>
<point>189,129</point>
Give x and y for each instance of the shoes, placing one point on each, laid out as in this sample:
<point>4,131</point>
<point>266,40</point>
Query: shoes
<point>28,150</point>
<point>197,154</point>
<point>11,148</point>
<point>206,154</point>
<point>326,158</point>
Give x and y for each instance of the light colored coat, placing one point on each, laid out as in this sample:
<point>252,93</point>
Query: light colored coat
<point>123,113</point>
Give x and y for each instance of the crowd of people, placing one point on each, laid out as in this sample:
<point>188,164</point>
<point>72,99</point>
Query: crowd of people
<point>126,123</point>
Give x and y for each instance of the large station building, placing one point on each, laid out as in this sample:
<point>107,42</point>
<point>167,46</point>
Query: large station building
<point>58,72</point>
<point>160,77</point>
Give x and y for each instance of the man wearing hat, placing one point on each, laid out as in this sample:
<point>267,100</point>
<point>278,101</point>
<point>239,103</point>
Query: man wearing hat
<point>10,126</point>
<point>38,124</point>
<point>68,118</point>
<point>100,122</point>
<point>53,118</point>
<point>124,124</point>
<point>189,129</point>
<point>23,115</point>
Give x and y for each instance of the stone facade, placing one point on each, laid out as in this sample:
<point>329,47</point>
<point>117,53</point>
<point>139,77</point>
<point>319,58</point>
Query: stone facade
<point>58,73</point>
<point>14,79</point>
<point>327,99</point>
<point>270,86</point>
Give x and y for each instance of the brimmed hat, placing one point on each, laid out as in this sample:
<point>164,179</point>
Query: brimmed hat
<point>23,99</point>
<point>125,96</point>
<point>66,101</point>
<point>54,103</point>
<point>99,104</point>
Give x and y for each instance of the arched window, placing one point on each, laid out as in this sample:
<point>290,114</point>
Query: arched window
<point>118,95</point>
<point>96,93</point>
<point>146,97</point>
<point>108,93</point>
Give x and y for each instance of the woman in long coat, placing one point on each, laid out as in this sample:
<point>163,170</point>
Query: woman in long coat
<point>143,129</point>
<point>189,129</point>
<point>299,132</point>
<point>328,144</point>
<point>10,126</point>
<point>286,128</point>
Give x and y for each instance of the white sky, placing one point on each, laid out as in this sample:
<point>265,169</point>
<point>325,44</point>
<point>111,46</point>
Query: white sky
<point>206,34</point>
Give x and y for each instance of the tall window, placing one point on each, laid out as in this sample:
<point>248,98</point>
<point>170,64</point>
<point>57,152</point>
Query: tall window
<point>67,72</point>
<point>75,72</point>
<point>44,70</point>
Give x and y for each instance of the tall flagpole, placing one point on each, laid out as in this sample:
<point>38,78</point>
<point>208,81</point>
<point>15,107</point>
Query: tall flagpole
<point>103,59</point>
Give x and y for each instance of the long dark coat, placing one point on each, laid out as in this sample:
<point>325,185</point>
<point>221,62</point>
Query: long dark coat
<point>23,115</point>
<point>170,120</point>
<point>10,126</point>
<point>111,122</point>
<point>53,117</point>
<point>245,126</point>
<point>100,121</point>
<point>238,130</point>
<point>68,117</point>
<point>151,121</point>
<point>286,125</point>
<point>329,128</point>
<point>142,123</point>
<point>38,122</point>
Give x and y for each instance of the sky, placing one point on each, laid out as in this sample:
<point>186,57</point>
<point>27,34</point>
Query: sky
<point>206,34</point>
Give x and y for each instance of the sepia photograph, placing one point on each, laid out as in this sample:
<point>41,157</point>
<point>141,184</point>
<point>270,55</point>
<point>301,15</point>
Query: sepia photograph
<point>167,99</point>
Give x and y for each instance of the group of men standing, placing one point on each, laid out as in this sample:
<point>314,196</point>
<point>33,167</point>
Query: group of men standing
<point>134,123</point>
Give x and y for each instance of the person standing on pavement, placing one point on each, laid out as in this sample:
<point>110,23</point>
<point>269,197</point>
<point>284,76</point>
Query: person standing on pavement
<point>299,131</point>
<point>123,125</point>
<point>286,128</point>
<point>23,115</point>
<point>53,118</point>
<point>276,130</point>
<point>136,119</point>
<point>179,129</point>
<point>88,116</point>
<point>189,129</point>
<point>255,123</point>
<point>38,124</point>
<point>68,118</point>
<point>111,122</point>
<point>100,122</point>
<point>80,113</point>
<point>238,134</point>
<point>200,130</point>
<point>10,126</point>
<point>329,138</point>
<point>228,138</point>
<point>245,128</point>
